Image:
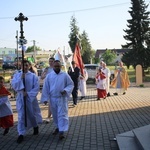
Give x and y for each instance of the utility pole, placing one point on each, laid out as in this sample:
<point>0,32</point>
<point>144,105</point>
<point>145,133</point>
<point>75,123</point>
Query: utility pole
<point>17,49</point>
<point>34,51</point>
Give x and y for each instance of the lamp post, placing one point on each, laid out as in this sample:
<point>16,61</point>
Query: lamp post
<point>21,42</point>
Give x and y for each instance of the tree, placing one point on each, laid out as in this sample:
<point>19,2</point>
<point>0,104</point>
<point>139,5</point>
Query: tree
<point>128,59</point>
<point>109,56</point>
<point>73,34</point>
<point>31,49</point>
<point>137,35</point>
<point>86,51</point>
<point>148,40</point>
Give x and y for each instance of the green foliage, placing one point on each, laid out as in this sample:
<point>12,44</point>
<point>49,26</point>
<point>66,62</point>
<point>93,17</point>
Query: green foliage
<point>86,50</point>
<point>141,85</point>
<point>95,60</point>
<point>108,57</point>
<point>73,34</point>
<point>138,35</point>
<point>128,59</point>
<point>31,49</point>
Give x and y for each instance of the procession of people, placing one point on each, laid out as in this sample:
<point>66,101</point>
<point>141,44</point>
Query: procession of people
<point>57,89</point>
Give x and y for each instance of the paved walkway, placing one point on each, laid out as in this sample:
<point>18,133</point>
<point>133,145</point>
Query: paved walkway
<point>93,124</point>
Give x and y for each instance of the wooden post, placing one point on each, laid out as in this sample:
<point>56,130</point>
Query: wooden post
<point>139,78</point>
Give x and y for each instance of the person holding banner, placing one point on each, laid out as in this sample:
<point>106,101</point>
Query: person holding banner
<point>29,91</point>
<point>74,74</point>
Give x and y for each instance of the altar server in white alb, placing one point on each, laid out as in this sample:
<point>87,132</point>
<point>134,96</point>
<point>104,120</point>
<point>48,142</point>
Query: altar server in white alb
<point>33,112</point>
<point>57,89</point>
<point>106,71</point>
<point>82,83</point>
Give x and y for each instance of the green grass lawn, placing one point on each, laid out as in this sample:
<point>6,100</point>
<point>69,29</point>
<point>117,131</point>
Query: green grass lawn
<point>131,73</point>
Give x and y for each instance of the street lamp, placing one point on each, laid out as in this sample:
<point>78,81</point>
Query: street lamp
<point>21,42</point>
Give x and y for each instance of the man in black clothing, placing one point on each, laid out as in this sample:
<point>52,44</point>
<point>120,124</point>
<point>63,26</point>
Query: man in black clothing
<point>74,74</point>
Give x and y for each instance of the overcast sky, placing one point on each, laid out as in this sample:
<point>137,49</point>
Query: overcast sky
<point>49,22</point>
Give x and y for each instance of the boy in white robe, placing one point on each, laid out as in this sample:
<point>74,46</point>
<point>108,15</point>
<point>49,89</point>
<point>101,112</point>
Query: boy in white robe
<point>57,89</point>
<point>33,112</point>
<point>107,73</point>
<point>82,84</point>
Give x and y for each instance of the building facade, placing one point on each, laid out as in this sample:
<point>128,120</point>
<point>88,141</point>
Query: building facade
<point>119,53</point>
<point>7,51</point>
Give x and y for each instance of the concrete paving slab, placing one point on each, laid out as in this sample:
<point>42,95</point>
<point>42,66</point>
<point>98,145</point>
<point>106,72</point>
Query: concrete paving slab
<point>93,124</point>
<point>142,136</point>
<point>126,141</point>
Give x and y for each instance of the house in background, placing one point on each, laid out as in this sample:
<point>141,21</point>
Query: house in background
<point>7,51</point>
<point>9,54</point>
<point>119,53</point>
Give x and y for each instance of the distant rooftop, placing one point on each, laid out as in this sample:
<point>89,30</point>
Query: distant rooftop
<point>101,51</point>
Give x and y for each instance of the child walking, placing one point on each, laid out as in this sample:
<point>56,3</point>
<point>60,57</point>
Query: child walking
<point>6,114</point>
<point>101,85</point>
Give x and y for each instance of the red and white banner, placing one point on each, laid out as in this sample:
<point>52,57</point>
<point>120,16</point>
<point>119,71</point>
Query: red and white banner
<point>78,59</point>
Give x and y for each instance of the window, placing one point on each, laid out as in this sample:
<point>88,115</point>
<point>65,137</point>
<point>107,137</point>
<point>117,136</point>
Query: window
<point>10,52</point>
<point>90,67</point>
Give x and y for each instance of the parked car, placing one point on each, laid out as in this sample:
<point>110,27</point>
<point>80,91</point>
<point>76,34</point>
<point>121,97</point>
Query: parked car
<point>92,70</point>
<point>8,65</point>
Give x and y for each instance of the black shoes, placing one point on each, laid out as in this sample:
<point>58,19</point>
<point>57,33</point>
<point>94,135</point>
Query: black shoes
<point>35,130</point>
<point>56,131</point>
<point>61,136</point>
<point>82,97</point>
<point>20,139</point>
<point>115,93</point>
<point>74,105</point>
<point>108,94</point>
<point>98,98</point>
<point>124,93</point>
<point>6,131</point>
